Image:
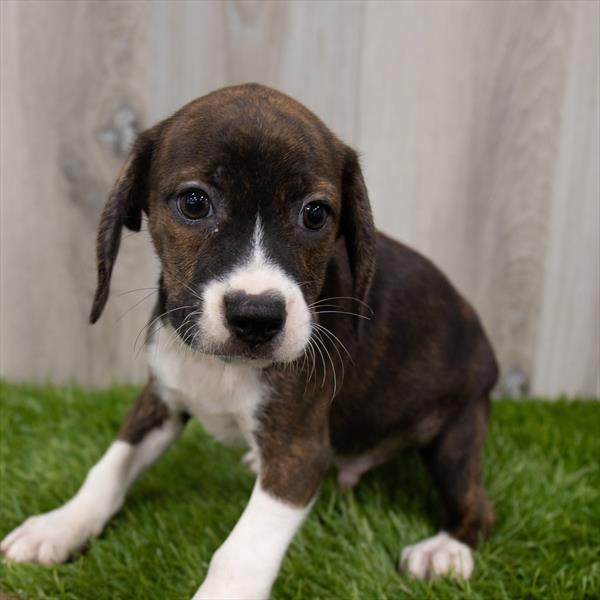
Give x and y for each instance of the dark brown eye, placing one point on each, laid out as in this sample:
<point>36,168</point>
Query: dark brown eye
<point>194,204</point>
<point>314,215</point>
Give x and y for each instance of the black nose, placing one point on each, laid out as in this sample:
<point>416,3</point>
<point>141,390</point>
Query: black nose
<point>255,318</point>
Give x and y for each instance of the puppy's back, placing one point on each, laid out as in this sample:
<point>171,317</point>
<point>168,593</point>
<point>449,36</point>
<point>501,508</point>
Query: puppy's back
<point>423,352</point>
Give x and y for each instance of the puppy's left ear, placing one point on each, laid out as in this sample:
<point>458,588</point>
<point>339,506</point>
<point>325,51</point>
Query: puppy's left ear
<point>127,199</point>
<point>357,227</point>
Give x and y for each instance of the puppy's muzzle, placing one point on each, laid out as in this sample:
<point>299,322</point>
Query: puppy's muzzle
<point>254,318</point>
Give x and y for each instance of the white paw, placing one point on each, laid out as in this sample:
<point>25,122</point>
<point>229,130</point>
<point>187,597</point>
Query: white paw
<point>437,556</point>
<point>225,591</point>
<point>49,538</point>
<point>252,460</point>
<point>232,585</point>
<point>232,588</point>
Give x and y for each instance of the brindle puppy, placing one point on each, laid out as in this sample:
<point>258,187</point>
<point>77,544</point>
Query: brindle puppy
<point>286,321</point>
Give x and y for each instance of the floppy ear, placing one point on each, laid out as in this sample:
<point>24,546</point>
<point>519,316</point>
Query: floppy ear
<point>357,227</point>
<point>124,206</point>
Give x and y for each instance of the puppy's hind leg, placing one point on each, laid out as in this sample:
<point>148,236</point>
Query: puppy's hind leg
<point>52,537</point>
<point>453,460</point>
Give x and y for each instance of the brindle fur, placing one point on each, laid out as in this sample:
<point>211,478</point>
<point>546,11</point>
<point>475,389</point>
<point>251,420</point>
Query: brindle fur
<point>422,365</point>
<point>148,412</point>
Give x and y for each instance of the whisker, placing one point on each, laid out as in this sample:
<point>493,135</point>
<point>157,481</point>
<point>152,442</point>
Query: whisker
<point>331,361</point>
<point>337,338</point>
<point>150,323</point>
<point>198,332</point>
<point>314,357</point>
<point>185,336</point>
<point>310,306</point>
<point>343,298</point>
<point>155,331</point>
<point>329,334</point>
<point>311,360</point>
<point>136,290</point>
<point>316,346</point>
<point>185,285</point>
<point>136,304</point>
<point>303,360</point>
<point>340,312</point>
<point>177,332</point>
<point>129,234</point>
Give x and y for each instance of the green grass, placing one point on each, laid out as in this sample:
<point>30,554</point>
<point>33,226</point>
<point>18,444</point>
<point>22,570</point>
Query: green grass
<point>542,472</point>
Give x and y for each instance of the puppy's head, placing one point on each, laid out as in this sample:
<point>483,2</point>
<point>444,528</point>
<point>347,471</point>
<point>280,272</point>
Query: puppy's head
<point>246,193</point>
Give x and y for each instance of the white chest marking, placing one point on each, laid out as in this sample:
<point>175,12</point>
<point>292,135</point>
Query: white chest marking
<point>223,397</point>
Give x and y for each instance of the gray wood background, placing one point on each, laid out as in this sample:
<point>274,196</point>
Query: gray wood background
<point>478,122</point>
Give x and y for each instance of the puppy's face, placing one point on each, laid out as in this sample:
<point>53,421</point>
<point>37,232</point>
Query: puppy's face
<point>246,193</point>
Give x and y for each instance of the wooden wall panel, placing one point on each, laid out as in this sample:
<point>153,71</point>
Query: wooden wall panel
<point>568,346</point>
<point>478,123</point>
<point>461,131</point>
<point>74,84</point>
<point>201,46</point>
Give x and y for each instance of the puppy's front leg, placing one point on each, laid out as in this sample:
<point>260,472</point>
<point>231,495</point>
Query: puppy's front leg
<point>53,536</point>
<point>246,565</point>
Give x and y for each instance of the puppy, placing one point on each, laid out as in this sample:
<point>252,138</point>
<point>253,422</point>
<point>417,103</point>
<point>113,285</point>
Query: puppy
<point>284,321</point>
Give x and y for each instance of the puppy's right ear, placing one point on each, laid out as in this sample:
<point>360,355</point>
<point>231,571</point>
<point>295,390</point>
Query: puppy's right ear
<point>127,199</point>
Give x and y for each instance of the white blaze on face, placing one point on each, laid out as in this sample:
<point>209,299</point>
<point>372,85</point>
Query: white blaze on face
<point>257,275</point>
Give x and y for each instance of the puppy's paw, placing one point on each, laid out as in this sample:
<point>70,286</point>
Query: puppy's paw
<point>231,589</point>
<point>49,538</point>
<point>231,585</point>
<point>252,460</point>
<point>440,555</point>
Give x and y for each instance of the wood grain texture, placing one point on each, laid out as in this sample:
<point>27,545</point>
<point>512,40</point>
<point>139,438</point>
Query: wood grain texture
<point>461,140</point>
<point>74,80</point>
<point>478,123</point>
<point>287,45</point>
<point>568,346</point>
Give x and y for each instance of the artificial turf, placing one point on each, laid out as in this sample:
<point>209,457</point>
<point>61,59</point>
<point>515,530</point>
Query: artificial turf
<point>541,469</point>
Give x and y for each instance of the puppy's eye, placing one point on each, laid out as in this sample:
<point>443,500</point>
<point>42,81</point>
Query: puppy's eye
<point>194,204</point>
<point>314,215</point>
